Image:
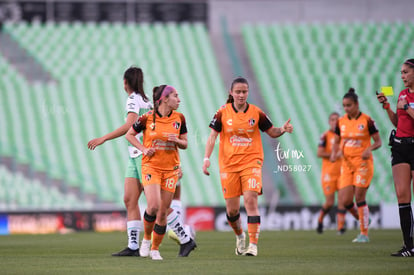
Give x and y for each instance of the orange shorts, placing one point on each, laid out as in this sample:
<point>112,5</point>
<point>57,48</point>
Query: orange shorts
<point>330,182</point>
<point>356,172</point>
<point>167,179</point>
<point>233,184</point>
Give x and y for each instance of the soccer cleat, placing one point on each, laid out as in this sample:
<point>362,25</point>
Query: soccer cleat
<point>319,229</point>
<point>251,250</point>
<point>404,252</point>
<point>155,255</point>
<point>186,248</point>
<point>127,252</point>
<point>144,251</point>
<point>240,244</point>
<point>172,236</point>
<point>361,239</point>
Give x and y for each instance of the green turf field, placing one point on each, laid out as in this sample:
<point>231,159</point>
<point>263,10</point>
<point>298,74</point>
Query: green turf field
<point>280,252</point>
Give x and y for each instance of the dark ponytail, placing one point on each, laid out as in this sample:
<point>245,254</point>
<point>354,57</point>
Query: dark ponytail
<point>351,95</point>
<point>243,80</point>
<point>156,94</point>
<point>134,77</point>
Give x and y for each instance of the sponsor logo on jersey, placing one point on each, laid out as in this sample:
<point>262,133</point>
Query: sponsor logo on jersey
<point>229,122</point>
<point>240,141</point>
<point>352,143</point>
<point>159,144</point>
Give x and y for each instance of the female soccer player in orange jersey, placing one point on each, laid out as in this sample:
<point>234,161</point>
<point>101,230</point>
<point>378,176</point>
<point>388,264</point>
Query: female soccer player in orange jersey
<point>330,170</point>
<point>164,132</point>
<point>330,177</point>
<point>241,159</point>
<point>355,130</point>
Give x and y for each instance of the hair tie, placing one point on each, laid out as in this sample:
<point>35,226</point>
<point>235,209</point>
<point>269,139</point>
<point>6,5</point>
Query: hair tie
<point>167,90</point>
<point>408,62</point>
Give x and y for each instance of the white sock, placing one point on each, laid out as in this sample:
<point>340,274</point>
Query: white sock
<point>133,229</point>
<point>177,206</point>
<point>176,224</point>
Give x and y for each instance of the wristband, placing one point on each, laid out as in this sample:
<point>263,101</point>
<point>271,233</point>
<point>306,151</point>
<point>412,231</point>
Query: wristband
<point>206,159</point>
<point>406,106</point>
<point>386,105</point>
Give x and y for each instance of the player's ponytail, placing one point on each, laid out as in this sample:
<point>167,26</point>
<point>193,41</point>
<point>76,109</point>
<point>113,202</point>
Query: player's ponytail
<point>134,77</point>
<point>351,95</point>
<point>156,95</point>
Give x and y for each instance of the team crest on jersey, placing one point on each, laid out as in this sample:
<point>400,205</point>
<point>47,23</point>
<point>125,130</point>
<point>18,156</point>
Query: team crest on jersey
<point>230,122</point>
<point>252,121</point>
<point>176,125</point>
<point>152,126</point>
<point>361,127</point>
<point>148,177</point>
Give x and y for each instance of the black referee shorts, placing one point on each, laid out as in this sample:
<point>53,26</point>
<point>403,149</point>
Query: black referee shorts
<point>402,153</point>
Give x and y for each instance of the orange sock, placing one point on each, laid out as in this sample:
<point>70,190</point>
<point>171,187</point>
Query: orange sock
<point>156,240</point>
<point>340,218</point>
<point>253,227</point>
<point>353,210</point>
<point>235,223</point>
<point>363,212</point>
<point>149,222</point>
<point>322,214</point>
<point>157,236</point>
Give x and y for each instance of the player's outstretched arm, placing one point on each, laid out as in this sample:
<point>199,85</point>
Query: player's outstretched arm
<point>275,132</point>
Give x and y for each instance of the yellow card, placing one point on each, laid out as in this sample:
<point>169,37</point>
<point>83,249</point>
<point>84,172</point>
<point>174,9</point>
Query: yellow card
<point>387,90</point>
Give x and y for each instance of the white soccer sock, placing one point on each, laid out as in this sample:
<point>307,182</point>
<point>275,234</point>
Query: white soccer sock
<point>133,229</point>
<point>176,224</point>
<point>177,206</point>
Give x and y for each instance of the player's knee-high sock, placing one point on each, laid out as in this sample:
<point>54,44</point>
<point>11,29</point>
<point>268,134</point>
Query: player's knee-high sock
<point>406,223</point>
<point>133,228</point>
<point>340,219</point>
<point>363,213</point>
<point>322,214</point>
<point>235,223</point>
<point>176,224</point>
<point>353,210</point>
<point>158,235</point>
<point>149,222</point>
<point>253,227</point>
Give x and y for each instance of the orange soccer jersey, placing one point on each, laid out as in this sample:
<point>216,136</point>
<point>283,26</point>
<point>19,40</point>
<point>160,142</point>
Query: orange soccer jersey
<point>240,140</point>
<point>355,134</point>
<point>166,156</point>
<point>330,170</point>
<point>355,138</point>
<point>326,141</point>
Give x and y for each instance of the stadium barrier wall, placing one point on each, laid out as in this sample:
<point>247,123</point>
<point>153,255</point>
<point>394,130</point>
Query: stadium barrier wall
<point>383,216</point>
